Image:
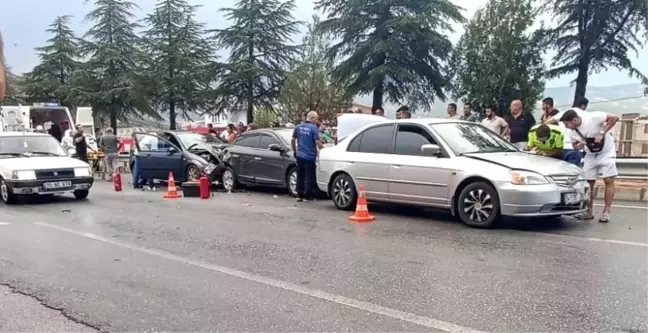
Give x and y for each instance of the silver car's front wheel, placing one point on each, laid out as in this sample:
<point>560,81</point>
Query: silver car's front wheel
<point>343,192</point>
<point>478,205</point>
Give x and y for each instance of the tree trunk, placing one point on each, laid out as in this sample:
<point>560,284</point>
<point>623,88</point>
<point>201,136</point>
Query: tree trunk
<point>250,87</point>
<point>113,115</point>
<point>378,93</point>
<point>581,79</point>
<point>172,115</point>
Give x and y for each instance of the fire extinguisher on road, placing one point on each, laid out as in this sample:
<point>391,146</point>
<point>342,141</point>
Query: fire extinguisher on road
<point>205,187</point>
<point>117,181</point>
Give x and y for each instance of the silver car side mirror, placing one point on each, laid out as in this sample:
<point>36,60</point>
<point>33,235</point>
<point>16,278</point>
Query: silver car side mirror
<point>430,150</point>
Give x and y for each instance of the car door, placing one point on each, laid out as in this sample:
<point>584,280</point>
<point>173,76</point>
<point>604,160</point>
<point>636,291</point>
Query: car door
<point>268,166</point>
<point>241,156</point>
<point>369,158</point>
<point>415,178</point>
<point>157,156</point>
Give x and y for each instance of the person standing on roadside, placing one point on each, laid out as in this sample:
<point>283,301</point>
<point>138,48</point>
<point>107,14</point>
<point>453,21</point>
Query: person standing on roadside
<point>468,114</point>
<point>493,122</point>
<point>519,125</point>
<point>452,111</point>
<point>548,110</point>
<point>403,112</point>
<point>591,131</point>
<point>80,144</point>
<point>305,144</point>
<point>110,145</point>
<point>581,103</point>
<point>380,112</point>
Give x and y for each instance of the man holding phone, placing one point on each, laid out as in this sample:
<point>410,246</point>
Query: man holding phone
<point>591,131</point>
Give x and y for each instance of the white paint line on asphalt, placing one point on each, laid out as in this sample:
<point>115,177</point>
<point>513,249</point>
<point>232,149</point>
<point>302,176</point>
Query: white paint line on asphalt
<point>5,223</point>
<point>617,242</point>
<point>624,206</point>
<point>339,299</point>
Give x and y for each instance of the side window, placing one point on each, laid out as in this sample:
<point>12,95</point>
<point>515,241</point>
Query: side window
<point>151,143</point>
<point>410,138</point>
<point>266,140</point>
<point>354,146</point>
<point>377,140</point>
<point>248,141</point>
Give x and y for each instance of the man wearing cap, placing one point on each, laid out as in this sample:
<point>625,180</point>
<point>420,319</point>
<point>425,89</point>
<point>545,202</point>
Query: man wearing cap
<point>591,131</point>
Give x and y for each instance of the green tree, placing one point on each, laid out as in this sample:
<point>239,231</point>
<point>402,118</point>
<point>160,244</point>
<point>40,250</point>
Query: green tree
<point>392,48</point>
<point>15,86</point>
<point>499,59</point>
<point>176,58</point>
<point>50,79</point>
<point>106,79</point>
<point>260,53</point>
<point>309,85</point>
<point>593,35</point>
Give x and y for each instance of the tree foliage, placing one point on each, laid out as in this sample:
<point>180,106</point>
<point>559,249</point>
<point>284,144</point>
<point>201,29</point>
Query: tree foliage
<point>51,78</point>
<point>106,79</point>
<point>176,60</point>
<point>594,35</point>
<point>260,53</point>
<point>309,85</point>
<point>14,90</point>
<point>498,59</point>
<point>393,48</point>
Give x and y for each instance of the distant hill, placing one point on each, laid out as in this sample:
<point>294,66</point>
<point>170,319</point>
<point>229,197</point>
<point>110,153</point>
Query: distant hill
<point>617,99</point>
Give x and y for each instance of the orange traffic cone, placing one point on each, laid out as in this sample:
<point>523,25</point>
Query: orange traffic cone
<point>172,193</point>
<point>361,213</point>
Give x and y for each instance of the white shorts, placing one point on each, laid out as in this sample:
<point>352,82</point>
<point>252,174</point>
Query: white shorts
<point>596,166</point>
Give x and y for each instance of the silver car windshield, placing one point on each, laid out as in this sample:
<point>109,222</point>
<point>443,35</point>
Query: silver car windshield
<point>469,138</point>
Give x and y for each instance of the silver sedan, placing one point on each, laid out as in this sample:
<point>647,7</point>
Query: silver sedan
<point>456,165</point>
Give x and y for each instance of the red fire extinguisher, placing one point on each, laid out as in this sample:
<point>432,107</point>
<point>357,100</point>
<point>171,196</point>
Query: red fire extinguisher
<point>204,187</point>
<point>117,182</point>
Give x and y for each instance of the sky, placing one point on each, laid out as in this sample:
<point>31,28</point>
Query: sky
<point>23,24</point>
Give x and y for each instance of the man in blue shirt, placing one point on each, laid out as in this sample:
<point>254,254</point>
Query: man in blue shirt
<point>305,143</point>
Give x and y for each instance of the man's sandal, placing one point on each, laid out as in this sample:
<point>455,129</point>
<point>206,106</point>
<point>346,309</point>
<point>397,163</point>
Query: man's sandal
<point>605,218</point>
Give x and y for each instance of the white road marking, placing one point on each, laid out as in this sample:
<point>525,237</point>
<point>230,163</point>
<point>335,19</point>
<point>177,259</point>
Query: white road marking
<point>5,223</point>
<point>613,241</point>
<point>624,206</point>
<point>339,299</point>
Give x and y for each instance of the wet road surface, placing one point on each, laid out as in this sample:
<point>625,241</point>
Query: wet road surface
<point>258,261</point>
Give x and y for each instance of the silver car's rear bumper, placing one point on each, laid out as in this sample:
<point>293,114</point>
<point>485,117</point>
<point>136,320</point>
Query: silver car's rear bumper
<point>541,200</point>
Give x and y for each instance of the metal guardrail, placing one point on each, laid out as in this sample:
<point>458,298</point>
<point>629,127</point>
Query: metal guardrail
<point>633,167</point>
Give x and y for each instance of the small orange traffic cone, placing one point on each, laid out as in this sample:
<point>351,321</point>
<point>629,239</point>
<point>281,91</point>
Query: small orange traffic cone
<point>172,193</point>
<point>362,212</point>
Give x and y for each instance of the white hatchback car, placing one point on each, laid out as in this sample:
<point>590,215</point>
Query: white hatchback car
<point>456,165</point>
<point>37,164</point>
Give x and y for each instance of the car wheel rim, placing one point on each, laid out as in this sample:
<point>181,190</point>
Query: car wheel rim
<point>4,191</point>
<point>192,174</point>
<point>342,192</point>
<point>478,205</point>
<point>293,182</point>
<point>228,180</point>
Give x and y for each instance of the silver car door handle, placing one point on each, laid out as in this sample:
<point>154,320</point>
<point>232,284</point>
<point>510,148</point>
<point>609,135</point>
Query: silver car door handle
<point>396,166</point>
<point>234,155</point>
<point>257,158</point>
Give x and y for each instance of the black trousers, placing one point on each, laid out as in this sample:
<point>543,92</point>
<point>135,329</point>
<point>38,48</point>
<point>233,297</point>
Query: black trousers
<point>306,181</point>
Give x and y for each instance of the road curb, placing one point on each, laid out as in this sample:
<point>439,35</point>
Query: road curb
<point>623,193</point>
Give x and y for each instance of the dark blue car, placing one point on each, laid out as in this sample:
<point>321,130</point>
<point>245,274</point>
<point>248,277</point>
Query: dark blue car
<point>187,154</point>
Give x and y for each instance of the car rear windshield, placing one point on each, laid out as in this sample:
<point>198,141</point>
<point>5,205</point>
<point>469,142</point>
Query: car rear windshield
<point>30,145</point>
<point>468,138</point>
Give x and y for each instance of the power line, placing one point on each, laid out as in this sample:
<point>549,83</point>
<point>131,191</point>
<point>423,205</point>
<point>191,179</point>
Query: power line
<point>607,101</point>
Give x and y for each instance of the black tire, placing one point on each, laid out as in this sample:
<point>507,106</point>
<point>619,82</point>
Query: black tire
<point>291,181</point>
<point>81,194</point>
<point>343,192</point>
<point>228,180</point>
<point>7,196</point>
<point>192,173</point>
<point>478,205</point>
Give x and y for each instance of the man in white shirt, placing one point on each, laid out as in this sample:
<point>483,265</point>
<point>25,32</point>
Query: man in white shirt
<point>452,111</point>
<point>591,131</point>
<point>493,122</point>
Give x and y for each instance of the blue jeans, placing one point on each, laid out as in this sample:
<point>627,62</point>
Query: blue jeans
<point>572,156</point>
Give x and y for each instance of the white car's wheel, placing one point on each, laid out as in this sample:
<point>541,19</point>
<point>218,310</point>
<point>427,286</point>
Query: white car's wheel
<point>343,192</point>
<point>478,205</point>
<point>81,194</point>
<point>7,196</point>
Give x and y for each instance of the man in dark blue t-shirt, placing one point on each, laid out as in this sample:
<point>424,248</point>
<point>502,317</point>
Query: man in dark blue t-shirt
<point>305,143</point>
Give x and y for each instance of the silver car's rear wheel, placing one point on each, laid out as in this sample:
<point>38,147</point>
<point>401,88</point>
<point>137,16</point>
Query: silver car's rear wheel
<point>343,192</point>
<point>478,205</point>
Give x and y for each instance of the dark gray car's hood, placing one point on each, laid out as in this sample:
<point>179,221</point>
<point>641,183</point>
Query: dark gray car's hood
<point>524,161</point>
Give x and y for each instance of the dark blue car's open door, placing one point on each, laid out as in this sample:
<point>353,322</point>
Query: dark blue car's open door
<point>157,157</point>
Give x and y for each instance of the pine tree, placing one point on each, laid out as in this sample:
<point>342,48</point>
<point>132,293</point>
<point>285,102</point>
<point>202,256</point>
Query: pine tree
<point>107,77</point>
<point>499,59</point>
<point>260,53</point>
<point>14,91</point>
<point>309,85</point>
<point>593,35</point>
<point>50,80</point>
<point>176,59</point>
<point>392,48</point>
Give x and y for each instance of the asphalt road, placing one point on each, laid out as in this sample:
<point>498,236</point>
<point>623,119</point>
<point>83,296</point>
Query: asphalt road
<point>132,261</point>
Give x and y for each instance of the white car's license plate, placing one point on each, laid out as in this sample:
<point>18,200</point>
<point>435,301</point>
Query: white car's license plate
<point>572,198</point>
<point>57,185</point>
